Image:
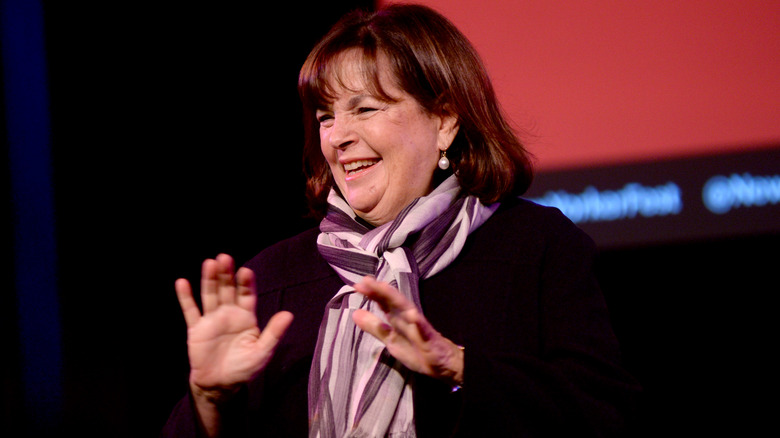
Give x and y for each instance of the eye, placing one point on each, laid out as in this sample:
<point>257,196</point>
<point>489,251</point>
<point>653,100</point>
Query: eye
<point>366,109</point>
<point>324,117</point>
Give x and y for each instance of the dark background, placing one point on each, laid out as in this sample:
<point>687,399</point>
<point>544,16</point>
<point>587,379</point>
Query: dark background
<point>175,135</point>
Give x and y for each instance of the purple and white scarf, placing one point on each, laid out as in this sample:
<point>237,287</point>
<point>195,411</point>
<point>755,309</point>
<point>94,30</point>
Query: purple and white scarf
<point>356,388</point>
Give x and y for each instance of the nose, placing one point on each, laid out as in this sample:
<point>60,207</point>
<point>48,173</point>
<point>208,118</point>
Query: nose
<point>341,133</point>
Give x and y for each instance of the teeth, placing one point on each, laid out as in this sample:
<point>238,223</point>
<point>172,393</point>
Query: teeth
<point>349,167</point>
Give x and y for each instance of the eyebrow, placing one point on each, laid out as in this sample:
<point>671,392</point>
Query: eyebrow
<point>355,100</point>
<point>352,103</point>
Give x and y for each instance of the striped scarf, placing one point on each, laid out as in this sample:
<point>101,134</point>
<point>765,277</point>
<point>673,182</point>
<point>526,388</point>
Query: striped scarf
<point>356,388</point>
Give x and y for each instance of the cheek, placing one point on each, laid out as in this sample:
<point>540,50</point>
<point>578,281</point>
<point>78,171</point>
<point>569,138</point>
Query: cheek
<point>411,173</point>
<point>419,157</point>
<point>330,154</point>
<point>323,143</point>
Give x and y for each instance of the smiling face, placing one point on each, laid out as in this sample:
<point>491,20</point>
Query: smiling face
<point>382,154</point>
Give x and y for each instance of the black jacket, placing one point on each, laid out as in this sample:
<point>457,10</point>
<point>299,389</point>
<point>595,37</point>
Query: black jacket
<point>540,355</point>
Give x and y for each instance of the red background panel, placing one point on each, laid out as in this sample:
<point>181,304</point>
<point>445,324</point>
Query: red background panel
<point>615,82</point>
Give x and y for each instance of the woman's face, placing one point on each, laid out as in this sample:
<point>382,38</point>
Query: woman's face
<point>382,154</point>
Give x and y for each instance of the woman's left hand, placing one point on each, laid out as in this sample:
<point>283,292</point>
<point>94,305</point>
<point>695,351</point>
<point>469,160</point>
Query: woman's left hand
<point>409,337</point>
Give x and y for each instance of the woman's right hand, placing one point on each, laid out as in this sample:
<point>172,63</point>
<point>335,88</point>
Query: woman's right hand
<point>225,345</point>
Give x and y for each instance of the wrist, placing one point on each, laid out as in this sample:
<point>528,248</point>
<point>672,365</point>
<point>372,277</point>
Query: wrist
<point>208,411</point>
<point>451,369</point>
<point>459,365</point>
<point>215,396</point>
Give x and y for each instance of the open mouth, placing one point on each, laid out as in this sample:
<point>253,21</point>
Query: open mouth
<point>355,167</point>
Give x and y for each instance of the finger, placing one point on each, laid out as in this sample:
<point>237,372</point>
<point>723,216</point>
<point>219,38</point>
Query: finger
<point>278,325</point>
<point>226,287</point>
<point>388,297</point>
<point>246,290</point>
<point>425,329</point>
<point>372,324</point>
<point>413,324</point>
<point>273,332</point>
<point>208,285</point>
<point>188,306</point>
<point>402,314</point>
<point>404,325</point>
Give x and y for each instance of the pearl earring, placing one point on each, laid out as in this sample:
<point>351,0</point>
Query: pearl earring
<point>444,162</point>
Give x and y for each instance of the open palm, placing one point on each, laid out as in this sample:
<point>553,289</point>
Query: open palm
<point>225,345</point>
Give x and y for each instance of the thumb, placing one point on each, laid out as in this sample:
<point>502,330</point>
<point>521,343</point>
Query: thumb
<point>273,332</point>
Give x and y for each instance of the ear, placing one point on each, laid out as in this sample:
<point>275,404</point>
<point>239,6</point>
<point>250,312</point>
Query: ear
<point>448,129</point>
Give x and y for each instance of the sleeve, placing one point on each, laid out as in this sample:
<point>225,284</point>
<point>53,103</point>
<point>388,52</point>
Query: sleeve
<point>562,376</point>
<point>183,421</point>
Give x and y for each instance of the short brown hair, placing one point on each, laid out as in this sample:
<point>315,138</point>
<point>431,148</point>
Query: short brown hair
<point>436,64</point>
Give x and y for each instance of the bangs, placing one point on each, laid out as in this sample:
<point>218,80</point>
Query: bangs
<point>326,73</point>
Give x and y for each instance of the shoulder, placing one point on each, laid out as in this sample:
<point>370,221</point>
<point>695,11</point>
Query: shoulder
<point>291,261</point>
<point>522,232</point>
<point>521,209</point>
<point>519,221</point>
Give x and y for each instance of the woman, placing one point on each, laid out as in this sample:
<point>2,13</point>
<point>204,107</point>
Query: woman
<point>431,301</point>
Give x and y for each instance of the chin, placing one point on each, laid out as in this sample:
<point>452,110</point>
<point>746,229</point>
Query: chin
<point>361,201</point>
<point>364,211</point>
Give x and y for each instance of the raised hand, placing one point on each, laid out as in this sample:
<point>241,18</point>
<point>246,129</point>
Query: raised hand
<point>409,337</point>
<point>225,345</point>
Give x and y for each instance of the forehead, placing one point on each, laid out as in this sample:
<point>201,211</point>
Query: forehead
<point>352,72</point>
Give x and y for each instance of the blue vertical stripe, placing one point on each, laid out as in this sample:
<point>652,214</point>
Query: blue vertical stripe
<point>27,122</point>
